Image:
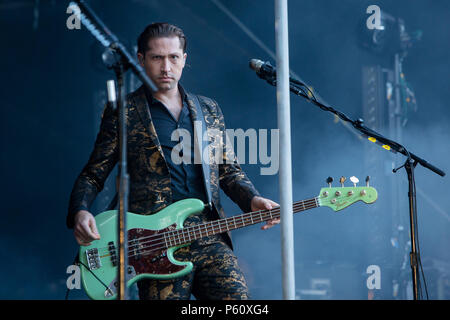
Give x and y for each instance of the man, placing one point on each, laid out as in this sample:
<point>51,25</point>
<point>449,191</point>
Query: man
<point>156,180</point>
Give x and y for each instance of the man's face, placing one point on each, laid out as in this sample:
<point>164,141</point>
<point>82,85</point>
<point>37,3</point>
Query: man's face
<point>164,62</point>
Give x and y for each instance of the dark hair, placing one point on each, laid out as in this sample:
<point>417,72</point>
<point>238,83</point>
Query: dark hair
<point>158,30</point>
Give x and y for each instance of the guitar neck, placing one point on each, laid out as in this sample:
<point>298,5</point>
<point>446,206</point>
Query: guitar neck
<point>189,234</point>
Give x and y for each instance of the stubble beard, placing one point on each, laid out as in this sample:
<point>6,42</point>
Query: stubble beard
<point>167,86</point>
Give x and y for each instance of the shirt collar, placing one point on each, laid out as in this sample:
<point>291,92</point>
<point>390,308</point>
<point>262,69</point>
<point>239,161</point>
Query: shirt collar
<point>151,100</point>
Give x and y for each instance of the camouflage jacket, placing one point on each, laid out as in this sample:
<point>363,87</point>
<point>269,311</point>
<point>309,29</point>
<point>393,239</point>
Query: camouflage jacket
<point>148,172</point>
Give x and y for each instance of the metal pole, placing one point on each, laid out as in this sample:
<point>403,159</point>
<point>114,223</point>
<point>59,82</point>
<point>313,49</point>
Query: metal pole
<point>123,181</point>
<point>409,166</point>
<point>284,124</point>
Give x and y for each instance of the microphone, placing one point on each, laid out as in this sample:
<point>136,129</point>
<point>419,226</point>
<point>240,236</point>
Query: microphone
<point>266,71</point>
<point>111,88</point>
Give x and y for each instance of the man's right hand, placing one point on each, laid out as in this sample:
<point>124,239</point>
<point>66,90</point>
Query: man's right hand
<point>85,229</point>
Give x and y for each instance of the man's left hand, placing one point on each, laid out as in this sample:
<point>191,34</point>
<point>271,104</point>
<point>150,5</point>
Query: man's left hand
<point>260,203</point>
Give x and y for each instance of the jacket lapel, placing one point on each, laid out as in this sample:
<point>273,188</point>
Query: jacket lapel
<point>199,131</point>
<point>141,103</point>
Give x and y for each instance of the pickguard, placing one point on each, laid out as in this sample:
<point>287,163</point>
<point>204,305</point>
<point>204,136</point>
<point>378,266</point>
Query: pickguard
<point>153,260</point>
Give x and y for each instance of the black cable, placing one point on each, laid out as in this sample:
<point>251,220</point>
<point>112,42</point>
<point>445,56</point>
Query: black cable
<point>306,94</point>
<point>300,86</point>
<point>107,288</point>
<point>300,89</point>
<point>419,260</point>
<point>75,262</point>
<point>67,294</point>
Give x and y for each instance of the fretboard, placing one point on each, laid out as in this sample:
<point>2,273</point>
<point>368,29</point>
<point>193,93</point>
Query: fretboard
<point>189,234</point>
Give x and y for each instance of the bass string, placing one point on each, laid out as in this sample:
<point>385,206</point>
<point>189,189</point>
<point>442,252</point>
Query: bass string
<point>225,221</point>
<point>171,236</point>
<point>241,221</point>
<point>176,235</point>
<point>162,244</point>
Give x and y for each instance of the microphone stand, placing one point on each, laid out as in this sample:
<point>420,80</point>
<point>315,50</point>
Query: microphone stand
<point>120,61</point>
<point>123,183</point>
<point>301,89</point>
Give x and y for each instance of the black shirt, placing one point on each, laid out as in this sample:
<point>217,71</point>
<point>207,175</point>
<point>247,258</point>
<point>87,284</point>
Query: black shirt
<point>187,177</point>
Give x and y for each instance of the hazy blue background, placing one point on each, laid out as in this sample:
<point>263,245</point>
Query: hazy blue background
<point>53,82</point>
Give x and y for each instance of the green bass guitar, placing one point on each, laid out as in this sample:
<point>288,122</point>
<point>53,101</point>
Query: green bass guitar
<point>152,239</point>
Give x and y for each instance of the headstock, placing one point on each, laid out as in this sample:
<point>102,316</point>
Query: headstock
<point>338,198</point>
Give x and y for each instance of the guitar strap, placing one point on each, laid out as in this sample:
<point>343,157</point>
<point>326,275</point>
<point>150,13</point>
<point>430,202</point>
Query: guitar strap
<point>199,133</point>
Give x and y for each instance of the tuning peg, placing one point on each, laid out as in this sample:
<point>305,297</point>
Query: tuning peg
<point>342,180</point>
<point>329,181</point>
<point>355,180</point>
<point>367,180</point>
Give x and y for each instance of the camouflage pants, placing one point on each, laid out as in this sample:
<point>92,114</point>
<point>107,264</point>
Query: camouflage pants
<point>215,276</point>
